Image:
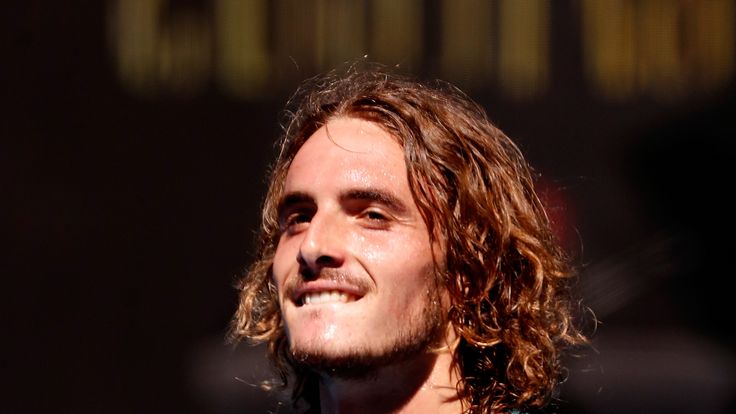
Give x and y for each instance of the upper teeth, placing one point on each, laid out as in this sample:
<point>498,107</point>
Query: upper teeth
<point>325,297</point>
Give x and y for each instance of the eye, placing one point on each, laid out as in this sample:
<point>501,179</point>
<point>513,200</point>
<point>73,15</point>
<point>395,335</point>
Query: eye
<point>375,219</point>
<point>374,215</point>
<point>295,221</point>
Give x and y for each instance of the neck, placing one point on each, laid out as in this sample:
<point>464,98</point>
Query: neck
<point>425,384</point>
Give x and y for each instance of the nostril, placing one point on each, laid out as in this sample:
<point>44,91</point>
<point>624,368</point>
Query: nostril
<point>309,270</point>
<point>307,273</point>
<point>326,261</point>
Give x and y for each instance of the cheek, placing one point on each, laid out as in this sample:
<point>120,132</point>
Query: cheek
<point>283,260</point>
<point>401,264</point>
<point>388,245</point>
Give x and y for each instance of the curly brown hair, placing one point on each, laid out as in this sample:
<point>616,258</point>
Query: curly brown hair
<point>507,277</point>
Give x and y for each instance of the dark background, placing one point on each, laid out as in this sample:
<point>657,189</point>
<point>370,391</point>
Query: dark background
<point>130,207</point>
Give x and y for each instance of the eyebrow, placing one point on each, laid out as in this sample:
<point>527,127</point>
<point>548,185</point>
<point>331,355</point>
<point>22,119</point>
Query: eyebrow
<point>292,199</point>
<point>375,195</point>
<point>366,194</point>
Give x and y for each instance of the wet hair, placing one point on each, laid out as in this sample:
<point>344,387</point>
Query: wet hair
<point>506,275</point>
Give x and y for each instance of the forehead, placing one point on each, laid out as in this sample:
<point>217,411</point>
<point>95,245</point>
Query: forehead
<point>349,150</point>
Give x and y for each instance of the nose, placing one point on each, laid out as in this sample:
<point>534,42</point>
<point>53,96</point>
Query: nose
<point>323,245</point>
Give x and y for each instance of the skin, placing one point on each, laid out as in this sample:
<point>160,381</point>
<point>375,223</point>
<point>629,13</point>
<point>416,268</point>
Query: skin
<point>355,246</point>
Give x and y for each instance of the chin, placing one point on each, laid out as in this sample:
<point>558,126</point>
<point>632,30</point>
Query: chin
<point>354,361</point>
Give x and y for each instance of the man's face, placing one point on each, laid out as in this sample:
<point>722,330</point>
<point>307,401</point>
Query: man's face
<point>354,265</point>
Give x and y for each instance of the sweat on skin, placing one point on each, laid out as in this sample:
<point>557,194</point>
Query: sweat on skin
<point>354,268</point>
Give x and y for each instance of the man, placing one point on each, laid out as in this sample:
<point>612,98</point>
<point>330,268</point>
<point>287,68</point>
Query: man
<point>405,262</point>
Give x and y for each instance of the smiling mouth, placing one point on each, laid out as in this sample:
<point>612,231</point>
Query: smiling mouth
<point>325,297</point>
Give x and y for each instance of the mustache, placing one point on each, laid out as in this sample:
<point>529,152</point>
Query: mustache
<point>338,276</point>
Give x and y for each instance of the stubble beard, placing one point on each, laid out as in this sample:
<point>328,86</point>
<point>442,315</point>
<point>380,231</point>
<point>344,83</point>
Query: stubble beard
<point>359,363</point>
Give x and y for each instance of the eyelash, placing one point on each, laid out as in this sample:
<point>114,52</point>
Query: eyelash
<point>376,220</point>
<point>374,217</point>
<point>296,219</point>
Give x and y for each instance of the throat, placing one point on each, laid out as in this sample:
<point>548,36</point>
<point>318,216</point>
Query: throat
<point>423,384</point>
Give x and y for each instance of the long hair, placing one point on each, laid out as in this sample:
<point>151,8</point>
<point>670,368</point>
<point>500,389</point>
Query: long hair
<point>507,278</point>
